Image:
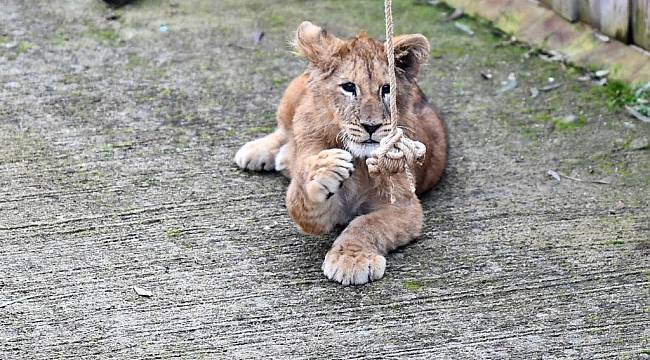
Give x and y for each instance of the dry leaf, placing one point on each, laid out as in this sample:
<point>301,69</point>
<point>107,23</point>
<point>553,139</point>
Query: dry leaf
<point>552,56</point>
<point>554,174</point>
<point>550,87</point>
<point>607,180</point>
<point>509,85</point>
<point>257,37</point>
<point>601,37</point>
<point>464,28</point>
<point>142,292</point>
<point>584,78</point>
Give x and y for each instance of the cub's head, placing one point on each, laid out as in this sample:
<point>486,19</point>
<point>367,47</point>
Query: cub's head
<point>349,78</point>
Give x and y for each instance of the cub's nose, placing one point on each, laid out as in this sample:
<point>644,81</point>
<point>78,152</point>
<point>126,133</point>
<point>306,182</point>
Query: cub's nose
<point>370,128</point>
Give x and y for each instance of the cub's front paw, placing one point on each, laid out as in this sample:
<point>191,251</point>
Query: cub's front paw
<point>353,267</point>
<point>330,168</point>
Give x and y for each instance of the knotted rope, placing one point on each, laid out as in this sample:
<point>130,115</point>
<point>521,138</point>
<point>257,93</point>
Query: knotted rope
<point>396,153</point>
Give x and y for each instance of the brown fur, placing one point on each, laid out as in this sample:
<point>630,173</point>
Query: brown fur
<point>318,123</point>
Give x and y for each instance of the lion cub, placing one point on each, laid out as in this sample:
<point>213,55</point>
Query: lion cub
<point>330,120</point>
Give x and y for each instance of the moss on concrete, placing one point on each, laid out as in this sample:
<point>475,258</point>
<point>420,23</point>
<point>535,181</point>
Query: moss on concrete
<point>412,284</point>
<point>173,232</point>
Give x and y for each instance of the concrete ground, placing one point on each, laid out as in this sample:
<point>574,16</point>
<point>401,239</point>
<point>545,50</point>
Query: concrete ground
<point>117,133</point>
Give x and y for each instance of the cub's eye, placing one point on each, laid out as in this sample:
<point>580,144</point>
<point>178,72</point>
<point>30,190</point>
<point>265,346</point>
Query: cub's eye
<point>385,90</point>
<point>349,87</point>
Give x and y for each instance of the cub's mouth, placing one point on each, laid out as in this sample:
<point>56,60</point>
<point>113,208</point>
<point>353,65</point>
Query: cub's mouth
<point>363,149</point>
<point>357,147</point>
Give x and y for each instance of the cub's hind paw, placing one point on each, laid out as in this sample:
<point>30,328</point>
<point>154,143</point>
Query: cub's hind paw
<point>256,155</point>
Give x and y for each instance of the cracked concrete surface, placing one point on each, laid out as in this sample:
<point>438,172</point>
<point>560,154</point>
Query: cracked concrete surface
<point>116,147</point>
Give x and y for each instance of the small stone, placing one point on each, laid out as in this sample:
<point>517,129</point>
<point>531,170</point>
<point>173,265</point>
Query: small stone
<point>628,125</point>
<point>569,119</point>
<point>601,73</point>
<point>640,143</point>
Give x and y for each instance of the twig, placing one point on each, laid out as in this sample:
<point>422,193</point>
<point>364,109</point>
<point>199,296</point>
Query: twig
<point>580,180</point>
<point>570,178</point>
<point>241,47</point>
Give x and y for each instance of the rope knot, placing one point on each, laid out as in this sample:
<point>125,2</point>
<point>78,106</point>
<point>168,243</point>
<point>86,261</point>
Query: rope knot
<point>396,154</point>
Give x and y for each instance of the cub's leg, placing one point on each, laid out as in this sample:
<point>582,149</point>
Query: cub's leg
<point>357,255</point>
<point>283,160</point>
<point>261,154</point>
<point>313,198</point>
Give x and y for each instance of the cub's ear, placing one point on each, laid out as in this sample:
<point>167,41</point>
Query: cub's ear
<point>316,45</point>
<point>411,51</point>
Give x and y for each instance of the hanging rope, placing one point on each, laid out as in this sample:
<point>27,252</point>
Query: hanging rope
<point>396,153</point>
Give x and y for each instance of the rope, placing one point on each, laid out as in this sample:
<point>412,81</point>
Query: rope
<point>396,153</point>
<point>390,53</point>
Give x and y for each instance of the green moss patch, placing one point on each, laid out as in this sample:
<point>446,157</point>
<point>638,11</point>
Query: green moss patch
<point>173,232</point>
<point>412,284</point>
<point>23,47</point>
<point>564,124</point>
